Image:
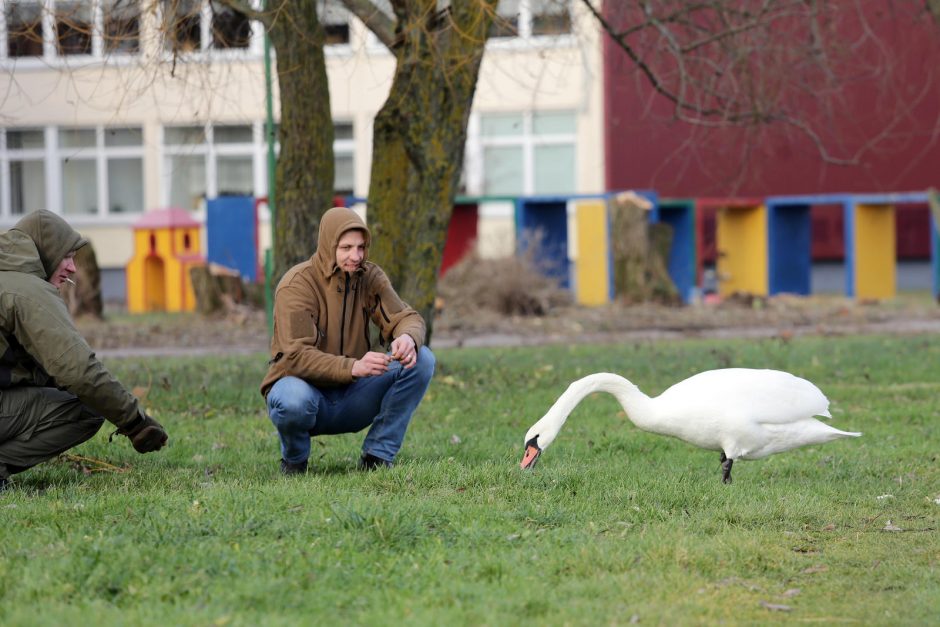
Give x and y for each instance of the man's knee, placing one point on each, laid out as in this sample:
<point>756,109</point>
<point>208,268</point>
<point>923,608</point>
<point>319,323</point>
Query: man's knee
<point>91,424</point>
<point>292,406</point>
<point>426,362</point>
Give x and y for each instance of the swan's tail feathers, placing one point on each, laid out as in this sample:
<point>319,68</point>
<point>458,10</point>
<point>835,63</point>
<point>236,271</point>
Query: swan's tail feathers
<point>838,433</point>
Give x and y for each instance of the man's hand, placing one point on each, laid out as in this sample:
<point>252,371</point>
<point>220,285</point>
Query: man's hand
<point>405,350</point>
<point>146,435</point>
<point>371,364</point>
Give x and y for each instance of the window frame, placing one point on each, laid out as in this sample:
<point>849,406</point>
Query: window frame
<point>257,149</point>
<point>526,39</point>
<point>527,139</point>
<point>206,49</point>
<point>100,153</point>
<point>52,154</point>
<point>51,55</point>
<point>8,155</point>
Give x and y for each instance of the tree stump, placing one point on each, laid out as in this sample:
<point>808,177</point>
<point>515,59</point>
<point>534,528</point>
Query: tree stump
<point>84,297</point>
<point>640,252</point>
<point>217,289</point>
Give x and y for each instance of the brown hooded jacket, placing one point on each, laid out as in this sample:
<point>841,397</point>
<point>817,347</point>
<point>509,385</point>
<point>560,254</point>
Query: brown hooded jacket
<point>321,313</point>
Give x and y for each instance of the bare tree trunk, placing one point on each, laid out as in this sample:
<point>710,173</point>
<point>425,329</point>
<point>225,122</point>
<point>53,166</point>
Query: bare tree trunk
<point>418,143</point>
<point>304,176</point>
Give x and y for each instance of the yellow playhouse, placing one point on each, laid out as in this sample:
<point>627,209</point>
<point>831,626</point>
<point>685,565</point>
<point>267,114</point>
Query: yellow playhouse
<point>166,246</point>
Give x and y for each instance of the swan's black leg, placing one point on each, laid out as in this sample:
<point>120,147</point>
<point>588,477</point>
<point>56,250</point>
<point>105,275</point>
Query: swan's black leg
<point>726,468</point>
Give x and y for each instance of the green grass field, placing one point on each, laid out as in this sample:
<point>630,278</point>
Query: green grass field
<point>613,526</point>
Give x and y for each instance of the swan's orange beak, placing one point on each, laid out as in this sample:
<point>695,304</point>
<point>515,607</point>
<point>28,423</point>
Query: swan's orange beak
<point>532,452</point>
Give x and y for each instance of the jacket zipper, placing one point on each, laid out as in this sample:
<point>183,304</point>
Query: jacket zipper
<point>342,326</point>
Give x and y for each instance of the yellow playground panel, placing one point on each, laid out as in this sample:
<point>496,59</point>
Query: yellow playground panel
<point>166,246</point>
<point>875,251</point>
<point>592,269</point>
<point>741,239</point>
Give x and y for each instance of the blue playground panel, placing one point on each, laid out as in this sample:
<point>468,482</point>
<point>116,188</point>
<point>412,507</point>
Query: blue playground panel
<point>543,222</point>
<point>789,263</point>
<point>790,239</point>
<point>232,234</point>
<point>680,215</point>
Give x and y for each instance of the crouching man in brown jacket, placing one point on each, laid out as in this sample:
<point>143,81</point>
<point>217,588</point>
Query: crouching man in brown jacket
<point>54,393</point>
<point>324,378</point>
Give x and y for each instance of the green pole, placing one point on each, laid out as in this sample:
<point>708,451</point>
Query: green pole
<point>272,164</point>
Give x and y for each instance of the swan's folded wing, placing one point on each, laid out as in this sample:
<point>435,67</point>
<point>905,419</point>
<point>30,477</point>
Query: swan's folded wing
<point>766,396</point>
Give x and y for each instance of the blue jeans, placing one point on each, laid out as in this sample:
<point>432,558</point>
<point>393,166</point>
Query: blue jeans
<point>387,402</point>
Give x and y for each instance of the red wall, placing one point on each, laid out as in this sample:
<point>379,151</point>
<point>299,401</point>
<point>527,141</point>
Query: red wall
<point>461,235</point>
<point>892,124</point>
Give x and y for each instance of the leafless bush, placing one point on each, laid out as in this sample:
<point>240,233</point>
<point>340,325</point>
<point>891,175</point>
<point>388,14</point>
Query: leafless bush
<point>507,286</point>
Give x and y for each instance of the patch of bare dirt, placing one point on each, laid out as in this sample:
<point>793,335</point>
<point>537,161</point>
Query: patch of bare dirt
<point>781,316</point>
<point>119,334</point>
<point>508,306</point>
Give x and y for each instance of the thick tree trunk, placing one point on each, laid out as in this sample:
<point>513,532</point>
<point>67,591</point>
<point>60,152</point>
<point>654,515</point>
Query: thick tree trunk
<point>418,142</point>
<point>304,175</point>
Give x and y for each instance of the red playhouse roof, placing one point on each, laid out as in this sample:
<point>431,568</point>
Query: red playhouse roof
<point>166,218</point>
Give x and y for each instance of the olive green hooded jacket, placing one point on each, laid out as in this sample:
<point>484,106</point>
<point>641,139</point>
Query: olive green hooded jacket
<point>39,344</point>
<point>322,314</point>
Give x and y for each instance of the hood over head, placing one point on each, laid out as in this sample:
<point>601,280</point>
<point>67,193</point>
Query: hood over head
<point>333,224</point>
<point>53,236</point>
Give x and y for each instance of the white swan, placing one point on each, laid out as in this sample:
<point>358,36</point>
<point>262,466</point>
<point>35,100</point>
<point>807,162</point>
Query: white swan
<point>744,413</point>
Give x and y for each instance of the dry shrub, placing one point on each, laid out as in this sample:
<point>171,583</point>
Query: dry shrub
<point>507,286</point>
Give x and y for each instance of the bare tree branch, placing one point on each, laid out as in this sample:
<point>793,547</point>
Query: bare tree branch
<point>380,24</point>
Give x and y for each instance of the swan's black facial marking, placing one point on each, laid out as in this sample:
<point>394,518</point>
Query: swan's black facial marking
<point>532,452</point>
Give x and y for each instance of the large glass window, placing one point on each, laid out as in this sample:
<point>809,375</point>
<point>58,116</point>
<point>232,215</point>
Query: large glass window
<point>24,28</point>
<point>25,170</point>
<point>187,175</point>
<point>525,153</point>
<point>64,28</point>
<point>550,17</point>
<point>78,167</point>
<point>73,27</point>
<point>230,28</point>
<point>121,25</point>
<point>185,165</point>
<point>506,22</point>
<point>531,18</point>
<point>182,25</point>
<point>344,180</point>
<point>335,19</point>
<point>79,186</point>
<point>194,25</point>
<point>95,171</point>
<point>115,152</point>
<point>203,162</point>
<point>234,150</point>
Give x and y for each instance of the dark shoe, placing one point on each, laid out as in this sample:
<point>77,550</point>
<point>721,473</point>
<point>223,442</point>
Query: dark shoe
<point>293,469</point>
<point>371,462</point>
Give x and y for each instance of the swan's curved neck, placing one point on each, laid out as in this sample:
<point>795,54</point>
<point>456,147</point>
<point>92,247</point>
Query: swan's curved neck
<point>635,403</point>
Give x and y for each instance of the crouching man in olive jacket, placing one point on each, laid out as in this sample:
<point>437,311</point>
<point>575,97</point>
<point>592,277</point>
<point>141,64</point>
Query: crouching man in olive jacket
<point>54,393</point>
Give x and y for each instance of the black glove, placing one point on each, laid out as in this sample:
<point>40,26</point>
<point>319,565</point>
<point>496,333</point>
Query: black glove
<point>145,433</point>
